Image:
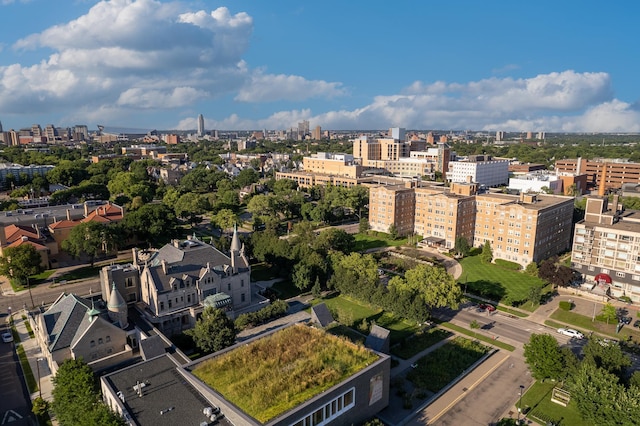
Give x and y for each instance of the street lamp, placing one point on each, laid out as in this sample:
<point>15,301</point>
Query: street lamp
<point>38,369</point>
<point>520,403</point>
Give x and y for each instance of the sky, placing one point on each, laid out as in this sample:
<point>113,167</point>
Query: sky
<point>554,66</point>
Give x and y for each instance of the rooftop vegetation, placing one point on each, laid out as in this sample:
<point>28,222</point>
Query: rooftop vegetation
<point>272,375</point>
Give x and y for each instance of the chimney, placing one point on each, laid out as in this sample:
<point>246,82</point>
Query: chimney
<point>86,209</point>
<point>603,180</point>
<point>68,214</point>
<point>164,266</point>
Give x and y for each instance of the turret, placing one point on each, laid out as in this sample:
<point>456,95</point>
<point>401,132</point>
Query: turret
<point>117,308</point>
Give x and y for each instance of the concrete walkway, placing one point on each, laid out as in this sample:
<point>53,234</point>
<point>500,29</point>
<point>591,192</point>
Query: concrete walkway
<point>39,366</point>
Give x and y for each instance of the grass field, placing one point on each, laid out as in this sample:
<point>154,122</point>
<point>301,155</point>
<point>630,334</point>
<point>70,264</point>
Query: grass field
<point>538,401</point>
<point>498,283</point>
<point>421,341</point>
<point>352,313</point>
<point>28,374</point>
<point>366,241</point>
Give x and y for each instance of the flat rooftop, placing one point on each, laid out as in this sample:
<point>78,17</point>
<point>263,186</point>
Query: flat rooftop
<point>271,375</point>
<point>167,398</point>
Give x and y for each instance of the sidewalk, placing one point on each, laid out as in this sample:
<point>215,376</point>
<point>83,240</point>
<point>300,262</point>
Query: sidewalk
<point>38,364</point>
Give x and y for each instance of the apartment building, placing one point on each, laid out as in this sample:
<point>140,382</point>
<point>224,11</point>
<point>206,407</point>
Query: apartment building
<point>604,173</point>
<point>482,169</point>
<point>525,228</point>
<point>392,205</point>
<point>520,229</point>
<point>606,248</point>
<point>441,216</point>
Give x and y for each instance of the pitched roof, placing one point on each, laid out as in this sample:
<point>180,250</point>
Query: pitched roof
<point>187,261</point>
<point>320,314</point>
<point>152,347</point>
<point>64,318</point>
<point>16,232</point>
<point>63,224</point>
<point>378,339</point>
<point>19,242</point>
<point>107,213</point>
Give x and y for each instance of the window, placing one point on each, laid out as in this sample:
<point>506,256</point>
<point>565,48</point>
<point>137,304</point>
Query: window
<point>100,341</point>
<point>162,306</point>
<point>107,339</point>
<point>330,411</point>
<point>169,301</point>
<point>241,283</point>
<point>242,297</point>
<point>92,344</point>
<point>128,282</point>
<point>229,286</point>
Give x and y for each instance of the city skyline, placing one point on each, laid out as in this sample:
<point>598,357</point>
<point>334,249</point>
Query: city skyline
<point>246,65</point>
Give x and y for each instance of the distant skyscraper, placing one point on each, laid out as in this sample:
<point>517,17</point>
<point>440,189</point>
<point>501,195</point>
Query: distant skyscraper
<point>201,125</point>
<point>0,126</point>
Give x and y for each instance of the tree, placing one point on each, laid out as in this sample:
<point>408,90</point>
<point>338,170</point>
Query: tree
<point>486,256</point>
<point>76,397</point>
<point>363,225</point>
<point>607,356</point>
<point>601,399</point>
<point>69,173</point>
<point>435,285</point>
<point>393,231</point>
<point>608,313</point>
<point>461,246</point>
<point>474,326</point>
<point>334,239</point>
<point>544,357</point>
<point>190,206</point>
<point>246,177</point>
<point>535,293</point>
<point>90,239</point>
<point>302,275</point>
<point>225,219</point>
<point>214,331</point>
<point>531,269</point>
<point>152,223</point>
<point>20,262</point>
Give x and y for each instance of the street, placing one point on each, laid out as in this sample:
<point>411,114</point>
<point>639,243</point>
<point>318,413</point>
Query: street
<point>15,404</point>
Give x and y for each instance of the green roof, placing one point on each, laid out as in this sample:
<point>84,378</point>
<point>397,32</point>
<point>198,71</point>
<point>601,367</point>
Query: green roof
<point>274,374</point>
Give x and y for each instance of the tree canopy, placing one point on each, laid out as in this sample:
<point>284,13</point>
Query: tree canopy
<point>20,262</point>
<point>213,331</point>
<point>90,239</point>
<point>544,357</point>
<point>434,284</point>
<point>76,397</point>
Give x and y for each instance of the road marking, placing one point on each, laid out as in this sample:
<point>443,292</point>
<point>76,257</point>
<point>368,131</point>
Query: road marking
<point>10,417</point>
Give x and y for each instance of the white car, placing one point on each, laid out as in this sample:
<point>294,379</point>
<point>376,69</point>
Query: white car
<point>571,333</point>
<point>7,337</point>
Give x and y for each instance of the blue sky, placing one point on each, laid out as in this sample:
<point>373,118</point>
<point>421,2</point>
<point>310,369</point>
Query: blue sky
<point>552,66</point>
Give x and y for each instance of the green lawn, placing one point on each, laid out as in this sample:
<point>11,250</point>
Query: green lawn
<point>80,273</point>
<point>262,272</point>
<point>352,314</point>
<point>375,240</point>
<point>538,401</point>
<point>489,280</point>
<point>28,374</point>
<point>584,322</point>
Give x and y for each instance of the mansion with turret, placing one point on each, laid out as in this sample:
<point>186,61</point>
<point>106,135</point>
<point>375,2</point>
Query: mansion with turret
<point>171,286</point>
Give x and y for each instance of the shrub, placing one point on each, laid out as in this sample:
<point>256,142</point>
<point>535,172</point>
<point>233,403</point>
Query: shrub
<point>274,310</point>
<point>566,306</point>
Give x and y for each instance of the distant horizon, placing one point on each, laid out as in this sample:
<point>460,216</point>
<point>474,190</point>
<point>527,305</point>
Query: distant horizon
<point>507,66</point>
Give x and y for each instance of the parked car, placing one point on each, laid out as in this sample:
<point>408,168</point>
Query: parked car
<point>637,323</point>
<point>625,320</point>
<point>7,337</point>
<point>490,308</point>
<point>571,333</point>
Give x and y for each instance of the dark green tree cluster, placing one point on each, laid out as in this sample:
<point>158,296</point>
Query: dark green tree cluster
<point>213,331</point>
<point>76,397</point>
<point>20,262</point>
<point>599,383</point>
